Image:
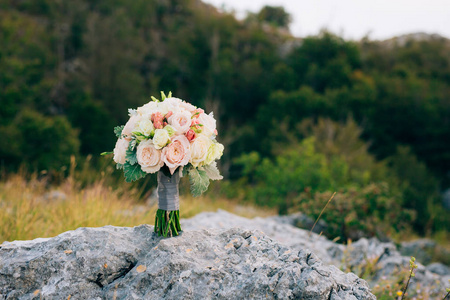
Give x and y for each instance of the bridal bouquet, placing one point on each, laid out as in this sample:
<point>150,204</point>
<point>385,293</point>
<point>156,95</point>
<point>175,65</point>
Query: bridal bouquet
<point>175,139</point>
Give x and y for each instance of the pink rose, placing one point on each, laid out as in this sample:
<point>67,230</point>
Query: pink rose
<point>148,157</point>
<point>129,127</point>
<point>168,115</point>
<point>158,125</point>
<point>181,121</point>
<point>157,116</point>
<point>176,153</point>
<point>190,135</point>
<point>120,150</point>
<point>198,111</point>
<point>195,125</point>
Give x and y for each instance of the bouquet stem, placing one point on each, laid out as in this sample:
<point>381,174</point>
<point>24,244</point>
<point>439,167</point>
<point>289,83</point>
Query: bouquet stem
<point>167,223</point>
<point>167,220</point>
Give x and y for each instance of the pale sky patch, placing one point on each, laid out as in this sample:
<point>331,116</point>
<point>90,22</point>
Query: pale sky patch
<point>353,19</point>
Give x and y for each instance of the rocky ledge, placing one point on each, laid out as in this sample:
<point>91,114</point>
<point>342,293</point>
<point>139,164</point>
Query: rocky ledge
<point>132,263</point>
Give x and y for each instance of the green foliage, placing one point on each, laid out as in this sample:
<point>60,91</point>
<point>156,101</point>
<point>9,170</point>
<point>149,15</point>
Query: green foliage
<point>199,181</point>
<point>274,15</point>
<point>212,171</point>
<point>373,210</point>
<point>133,172</point>
<point>39,141</point>
<point>69,70</point>
<point>420,190</point>
<point>130,156</point>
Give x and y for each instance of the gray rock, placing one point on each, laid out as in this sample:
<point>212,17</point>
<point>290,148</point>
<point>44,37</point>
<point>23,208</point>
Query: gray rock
<point>421,249</point>
<point>132,263</point>
<point>438,268</point>
<point>302,221</point>
<point>388,260</point>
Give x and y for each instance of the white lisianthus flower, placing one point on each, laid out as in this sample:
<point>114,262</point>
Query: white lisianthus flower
<point>148,157</point>
<point>161,138</point>
<point>209,124</point>
<point>199,150</point>
<point>181,121</point>
<point>145,126</point>
<point>170,130</point>
<point>120,151</point>
<point>215,151</point>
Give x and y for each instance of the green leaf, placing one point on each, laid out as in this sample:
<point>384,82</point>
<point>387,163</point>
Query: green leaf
<point>154,99</point>
<point>118,130</point>
<point>133,172</point>
<point>106,153</point>
<point>169,95</point>
<point>199,181</point>
<point>186,169</point>
<point>212,171</point>
<point>130,156</point>
<point>132,144</point>
<point>163,96</point>
<point>119,166</point>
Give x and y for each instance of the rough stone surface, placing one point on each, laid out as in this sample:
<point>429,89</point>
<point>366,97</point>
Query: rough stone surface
<point>132,263</point>
<point>218,256</point>
<point>388,260</point>
<point>421,249</point>
<point>439,269</point>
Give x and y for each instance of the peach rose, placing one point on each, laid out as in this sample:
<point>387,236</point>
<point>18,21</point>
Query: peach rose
<point>148,157</point>
<point>120,151</point>
<point>181,121</point>
<point>177,153</point>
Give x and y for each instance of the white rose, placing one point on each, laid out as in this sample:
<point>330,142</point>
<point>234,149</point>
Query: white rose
<point>170,130</point>
<point>129,127</point>
<point>199,150</point>
<point>181,121</point>
<point>169,104</point>
<point>161,138</point>
<point>215,151</point>
<point>209,124</point>
<point>120,151</point>
<point>148,108</point>
<point>187,106</point>
<point>145,126</point>
<point>148,157</point>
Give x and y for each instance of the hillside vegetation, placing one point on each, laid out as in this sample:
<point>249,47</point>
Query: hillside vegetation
<point>299,118</point>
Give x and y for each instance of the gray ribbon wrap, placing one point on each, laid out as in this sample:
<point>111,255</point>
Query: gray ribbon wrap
<point>168,192</point>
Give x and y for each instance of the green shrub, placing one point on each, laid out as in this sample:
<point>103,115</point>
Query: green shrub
<point>374,210</point>
<point>38,142</point>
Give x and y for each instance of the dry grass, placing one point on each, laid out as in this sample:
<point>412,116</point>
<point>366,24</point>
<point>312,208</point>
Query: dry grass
<point>29,208</point>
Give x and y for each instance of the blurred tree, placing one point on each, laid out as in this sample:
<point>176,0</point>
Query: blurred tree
<point>275,16</point>
<point>43,143</point>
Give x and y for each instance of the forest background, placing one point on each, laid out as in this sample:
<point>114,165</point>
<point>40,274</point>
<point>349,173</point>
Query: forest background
<point>300,118</point>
